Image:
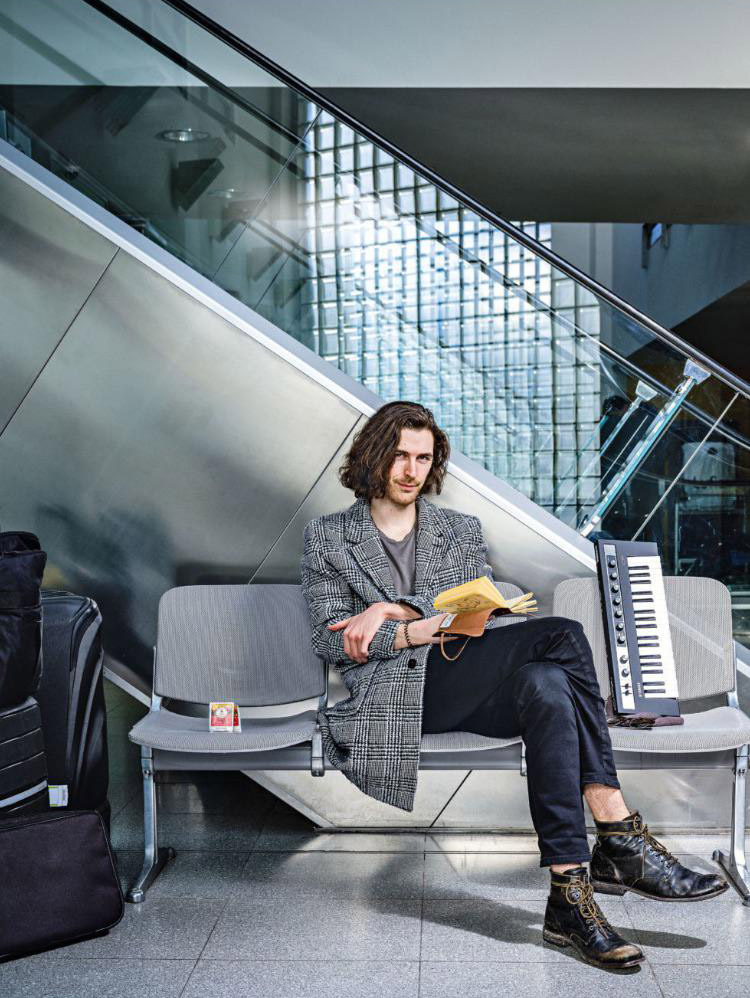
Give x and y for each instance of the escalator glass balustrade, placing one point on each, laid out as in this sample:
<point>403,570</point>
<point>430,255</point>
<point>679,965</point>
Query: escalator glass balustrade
<point>380,271</point>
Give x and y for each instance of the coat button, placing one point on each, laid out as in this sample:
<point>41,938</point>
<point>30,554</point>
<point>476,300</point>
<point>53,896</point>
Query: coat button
<point>412,663</point>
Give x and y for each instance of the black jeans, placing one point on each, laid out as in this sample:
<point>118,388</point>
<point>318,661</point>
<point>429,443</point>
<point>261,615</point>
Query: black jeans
<point>537,680</point>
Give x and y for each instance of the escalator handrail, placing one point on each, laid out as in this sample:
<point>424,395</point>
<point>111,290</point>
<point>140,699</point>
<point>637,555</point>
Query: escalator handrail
<point>248,51</point>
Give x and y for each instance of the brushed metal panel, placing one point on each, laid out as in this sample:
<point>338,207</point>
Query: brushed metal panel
<point>161,446</point>
<point>339,803</point>
<point>282,563</point>
<point>49,262</point>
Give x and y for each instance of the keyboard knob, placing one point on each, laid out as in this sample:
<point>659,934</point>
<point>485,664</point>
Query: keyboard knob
<point>621,639</point>
<point>617,601</point>
<point>615,588</point>
<point>613,575</point>
<point>623,658</point>
<point>618,613</point>
<point>624,672</point>
<point>620,627</point>
<point>612,562</point>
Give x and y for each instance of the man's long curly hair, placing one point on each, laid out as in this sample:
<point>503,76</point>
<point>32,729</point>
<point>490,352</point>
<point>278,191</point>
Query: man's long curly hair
<point>366,466</point>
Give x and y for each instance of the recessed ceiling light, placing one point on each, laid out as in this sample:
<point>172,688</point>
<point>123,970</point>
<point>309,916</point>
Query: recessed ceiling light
<point>183,135</point>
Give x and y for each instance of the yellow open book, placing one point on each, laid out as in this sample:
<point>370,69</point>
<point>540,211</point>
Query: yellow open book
<point>480,594</point>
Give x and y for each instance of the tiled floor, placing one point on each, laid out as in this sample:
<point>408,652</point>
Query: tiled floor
<point>257,903</point>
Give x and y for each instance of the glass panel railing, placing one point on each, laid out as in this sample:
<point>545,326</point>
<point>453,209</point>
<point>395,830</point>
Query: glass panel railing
<point>701,519</point>
<point>185,162</point>
<point>539,378</point>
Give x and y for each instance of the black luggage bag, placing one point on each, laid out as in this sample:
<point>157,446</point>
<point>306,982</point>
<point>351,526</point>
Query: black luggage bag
<point>59,882</point>
<point>71,698</point>
<point>21,568</point>
<point>23,767</point>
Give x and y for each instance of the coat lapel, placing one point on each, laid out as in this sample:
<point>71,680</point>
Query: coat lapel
<point>364,543</point>
<point>431,545</point>
<point>366,548</point>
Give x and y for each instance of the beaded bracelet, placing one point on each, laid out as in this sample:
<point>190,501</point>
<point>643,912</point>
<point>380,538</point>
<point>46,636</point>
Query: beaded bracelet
<point>406,635</point>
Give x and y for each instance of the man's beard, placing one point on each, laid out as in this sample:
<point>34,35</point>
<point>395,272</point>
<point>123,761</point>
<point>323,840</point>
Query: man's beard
<point>403,498</point>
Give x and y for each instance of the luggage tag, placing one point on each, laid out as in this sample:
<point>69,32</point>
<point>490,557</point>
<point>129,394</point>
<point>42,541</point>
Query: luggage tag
<point>221,715</point>
<point>58,794</point>
<point>447,621</point>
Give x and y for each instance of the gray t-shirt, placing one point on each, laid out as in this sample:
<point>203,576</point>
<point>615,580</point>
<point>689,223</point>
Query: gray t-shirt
<point>402,557</point>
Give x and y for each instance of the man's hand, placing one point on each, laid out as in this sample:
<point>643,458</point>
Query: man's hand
<point>425,632</point>
<point>360,629</point>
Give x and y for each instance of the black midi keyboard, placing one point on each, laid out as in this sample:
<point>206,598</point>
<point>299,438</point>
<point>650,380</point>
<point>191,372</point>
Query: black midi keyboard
<point>636,626</point>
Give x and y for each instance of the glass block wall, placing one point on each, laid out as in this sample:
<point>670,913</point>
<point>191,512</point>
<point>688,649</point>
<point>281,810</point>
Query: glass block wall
<point>419,298</point>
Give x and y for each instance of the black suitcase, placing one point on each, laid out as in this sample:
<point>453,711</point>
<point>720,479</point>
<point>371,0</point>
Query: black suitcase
<point>23,767</point>
<point>59,882</point>
<point>21,567</point>
<point>71,698</point>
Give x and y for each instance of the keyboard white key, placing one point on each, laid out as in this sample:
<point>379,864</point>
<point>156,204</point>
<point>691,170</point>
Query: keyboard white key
<point>659,676</point>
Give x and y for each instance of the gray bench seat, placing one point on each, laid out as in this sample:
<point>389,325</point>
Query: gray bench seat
<point>251,644</point>
<point>174,732</point>
<point>710,731</point>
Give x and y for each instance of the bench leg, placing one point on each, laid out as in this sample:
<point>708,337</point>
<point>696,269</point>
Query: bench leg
<point>734,863</point>
<point>154,858</point>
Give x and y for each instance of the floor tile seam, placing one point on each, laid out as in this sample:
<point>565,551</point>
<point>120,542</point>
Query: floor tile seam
<point>491,900</point>
<point>293,893</point>
<point>52,960</point>
<point>155,896</point>
<point>668,963</point>
<point>650,965</point>
<point>189,978</point>
<point>481,852</point>
<point>179,851</point>
<point>657,982</point>
<point>341,852</point>
<point>569,961</point>
<point>655,964</point>
<point>562,962</point>
<point>120,809</point>
<point>197,852</point>
<point>421,925</point>
<point>221,911</point>
<point>246,853</point>
<point>391,852</point>
<point>624,907</point>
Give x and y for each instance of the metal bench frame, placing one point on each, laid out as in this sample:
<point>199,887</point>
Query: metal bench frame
<point>310,756</point>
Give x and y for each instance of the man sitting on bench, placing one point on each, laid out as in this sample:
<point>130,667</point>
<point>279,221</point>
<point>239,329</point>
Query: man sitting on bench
<point>370,575</point>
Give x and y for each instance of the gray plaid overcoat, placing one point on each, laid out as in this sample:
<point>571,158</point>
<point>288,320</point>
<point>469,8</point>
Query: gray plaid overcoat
<point>373,737</point>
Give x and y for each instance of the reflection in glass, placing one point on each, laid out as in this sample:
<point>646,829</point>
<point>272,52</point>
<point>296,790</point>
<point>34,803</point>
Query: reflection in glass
<point>377,270</point>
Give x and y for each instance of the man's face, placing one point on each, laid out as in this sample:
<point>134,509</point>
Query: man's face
<point>410,467</point>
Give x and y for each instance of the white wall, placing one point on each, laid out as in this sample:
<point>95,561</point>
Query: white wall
<point>498,43</point>
<point>701,264</point>
<point>400,43</point>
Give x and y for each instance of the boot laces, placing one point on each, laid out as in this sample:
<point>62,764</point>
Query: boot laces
<point>657,846</point>
<point>587,905</point>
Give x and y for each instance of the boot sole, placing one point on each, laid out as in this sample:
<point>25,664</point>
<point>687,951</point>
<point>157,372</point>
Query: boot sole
<point>562,941</point>
<point>602,887</point>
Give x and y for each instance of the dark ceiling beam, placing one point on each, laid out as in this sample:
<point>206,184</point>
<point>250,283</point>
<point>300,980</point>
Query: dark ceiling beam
<point>571,155</point>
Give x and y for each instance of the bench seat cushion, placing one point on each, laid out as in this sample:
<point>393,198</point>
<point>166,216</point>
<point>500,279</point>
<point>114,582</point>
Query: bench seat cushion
<point>463,741</point>
<point>162,729</point>
<point>710,731</point>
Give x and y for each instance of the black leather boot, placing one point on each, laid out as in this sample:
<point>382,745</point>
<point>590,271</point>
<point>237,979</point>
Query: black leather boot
<point>627,857</point>
<point>573,918</point>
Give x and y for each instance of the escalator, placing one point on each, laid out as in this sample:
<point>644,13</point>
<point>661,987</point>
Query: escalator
<point>211,277</point>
